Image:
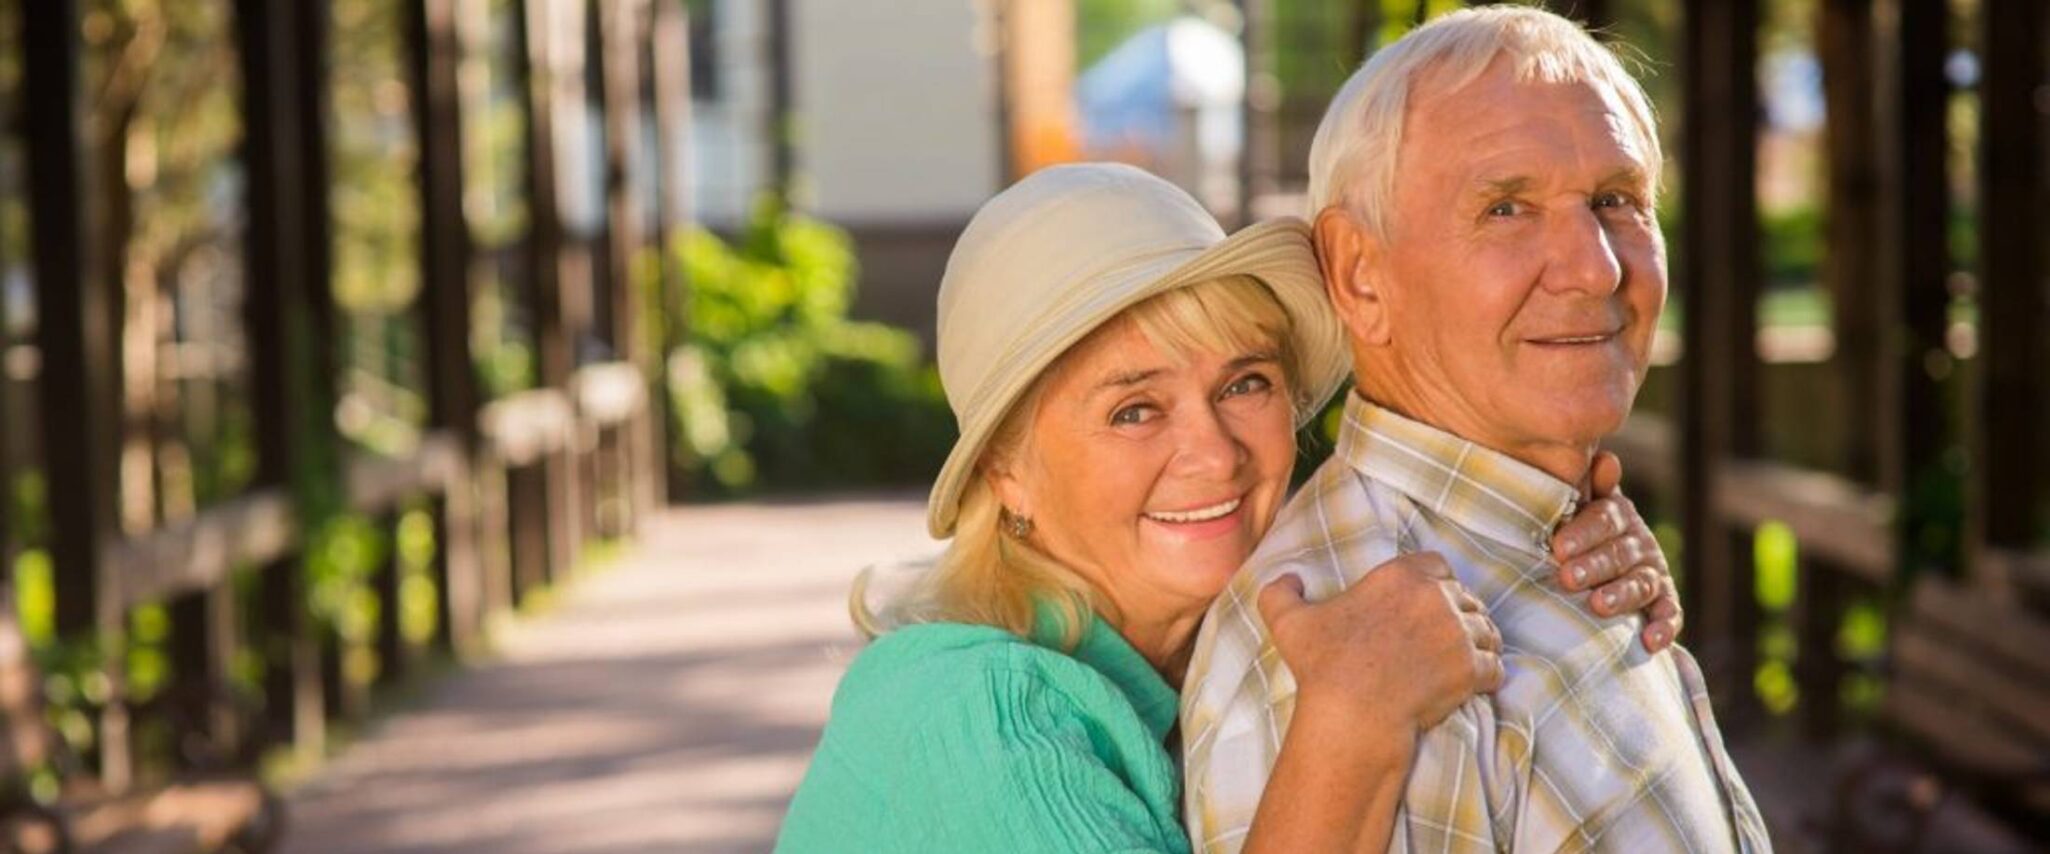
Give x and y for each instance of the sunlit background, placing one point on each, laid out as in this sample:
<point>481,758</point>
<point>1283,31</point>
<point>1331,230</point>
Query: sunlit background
<point>419,405</point>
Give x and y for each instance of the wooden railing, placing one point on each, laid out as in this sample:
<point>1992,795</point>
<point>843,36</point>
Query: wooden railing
<point>514,487</point>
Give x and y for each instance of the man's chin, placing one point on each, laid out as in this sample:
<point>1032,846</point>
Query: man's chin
<point>1588,423</point>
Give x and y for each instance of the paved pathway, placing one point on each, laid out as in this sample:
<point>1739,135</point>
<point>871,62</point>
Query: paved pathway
<point>669,703</point>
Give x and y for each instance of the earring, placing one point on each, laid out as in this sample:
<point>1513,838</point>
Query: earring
<point>1019,527</point>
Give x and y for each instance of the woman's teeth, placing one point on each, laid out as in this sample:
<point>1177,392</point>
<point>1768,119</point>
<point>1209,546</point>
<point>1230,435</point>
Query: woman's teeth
<point>1203,514</point>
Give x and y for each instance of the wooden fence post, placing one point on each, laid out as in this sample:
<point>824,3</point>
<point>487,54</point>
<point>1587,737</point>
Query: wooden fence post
<point>558,313</point>
<point>446,257</point>
<point>288,313</point>
<point>1718,273</point>
<point>669,49</point>
<point>77,306</point>
<point>2012,237</point>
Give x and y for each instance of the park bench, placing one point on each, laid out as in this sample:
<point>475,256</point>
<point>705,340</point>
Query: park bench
<point>203,810</point>
<point>1968,691</point>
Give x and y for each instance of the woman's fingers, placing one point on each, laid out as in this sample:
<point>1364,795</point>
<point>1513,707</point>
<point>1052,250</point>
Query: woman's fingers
<point>1463,598</point>
<point>1605,475</point>
<point>1482,632</point>
<point>1634,591</point>
<point>1610,560</point>
<point>1597,522</point>
<point>1664,619</point>
<point>1488,672</point>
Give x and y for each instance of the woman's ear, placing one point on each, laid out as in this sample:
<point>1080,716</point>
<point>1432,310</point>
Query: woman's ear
<point>1349,255</point>
<point>1002,474</point>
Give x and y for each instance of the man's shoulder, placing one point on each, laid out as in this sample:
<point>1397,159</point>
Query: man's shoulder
<point>1336,527</point>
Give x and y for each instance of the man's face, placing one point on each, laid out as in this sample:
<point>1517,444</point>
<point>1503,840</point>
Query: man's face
<point>1524,271</point>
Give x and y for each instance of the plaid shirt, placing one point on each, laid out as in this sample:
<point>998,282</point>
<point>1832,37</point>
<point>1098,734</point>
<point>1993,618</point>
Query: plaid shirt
<point>1590,744</point>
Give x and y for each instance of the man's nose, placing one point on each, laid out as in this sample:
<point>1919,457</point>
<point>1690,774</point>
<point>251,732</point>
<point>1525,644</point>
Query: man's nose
<point>1582,257</point>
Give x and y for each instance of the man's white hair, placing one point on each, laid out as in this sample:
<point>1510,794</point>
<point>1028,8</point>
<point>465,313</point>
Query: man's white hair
<point>1353,158</point>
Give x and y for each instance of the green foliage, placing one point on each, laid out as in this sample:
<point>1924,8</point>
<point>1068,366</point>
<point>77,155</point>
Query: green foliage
<point>1793,245</point>
<point>35,595</point>
<point>419,614</point>
<point>341,556</point>
<point>774,386</point>
<point>1315,442</point>
<point>1102,25</point>
<point>1778,565</point>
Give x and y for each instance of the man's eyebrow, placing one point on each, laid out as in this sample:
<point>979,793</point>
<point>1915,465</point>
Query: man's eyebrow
<point>1510,185</point>
<point>1627,176</point>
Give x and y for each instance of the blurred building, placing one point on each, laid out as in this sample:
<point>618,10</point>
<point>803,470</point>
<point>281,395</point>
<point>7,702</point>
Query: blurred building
<point>1170,99</point>
<point>893,132</point>
<point>896,121</point>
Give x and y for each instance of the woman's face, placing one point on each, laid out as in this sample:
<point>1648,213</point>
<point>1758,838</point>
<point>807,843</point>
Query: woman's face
<point>1153,477</point>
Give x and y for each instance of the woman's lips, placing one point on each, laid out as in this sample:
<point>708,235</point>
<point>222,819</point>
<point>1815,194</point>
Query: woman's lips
<point>1202,523</point>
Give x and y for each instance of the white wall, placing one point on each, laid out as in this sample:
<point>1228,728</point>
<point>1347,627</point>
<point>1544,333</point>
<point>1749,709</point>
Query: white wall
<point>729,148</point>
<point>897,109</point>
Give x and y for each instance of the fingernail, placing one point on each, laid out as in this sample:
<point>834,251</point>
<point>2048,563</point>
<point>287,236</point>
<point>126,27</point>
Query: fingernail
<point>1579,574</point>
<point>1609,599</point>
<point>1572,546</point>
<point>1658,636</point>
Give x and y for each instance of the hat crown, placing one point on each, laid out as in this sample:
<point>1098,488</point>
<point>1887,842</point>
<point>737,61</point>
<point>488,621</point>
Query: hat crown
<point>1056,238</point>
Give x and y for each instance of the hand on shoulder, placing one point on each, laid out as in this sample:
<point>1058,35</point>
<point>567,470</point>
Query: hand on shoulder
<point>1404,646</point>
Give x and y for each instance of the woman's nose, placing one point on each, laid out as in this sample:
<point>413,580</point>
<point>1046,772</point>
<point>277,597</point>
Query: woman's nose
<point>1209,447</point>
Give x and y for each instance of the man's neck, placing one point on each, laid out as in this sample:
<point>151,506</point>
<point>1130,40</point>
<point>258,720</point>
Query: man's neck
<point>1569,462</point>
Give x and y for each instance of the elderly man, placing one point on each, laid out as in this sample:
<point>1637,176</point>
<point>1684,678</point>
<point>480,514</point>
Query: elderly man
<point>1483,192</point>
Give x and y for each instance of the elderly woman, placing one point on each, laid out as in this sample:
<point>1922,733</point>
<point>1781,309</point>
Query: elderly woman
<point>1128,382</point>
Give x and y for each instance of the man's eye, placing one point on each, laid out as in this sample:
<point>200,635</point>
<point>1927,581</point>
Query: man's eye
<point>1502,209</point>
<point>1613,200</point>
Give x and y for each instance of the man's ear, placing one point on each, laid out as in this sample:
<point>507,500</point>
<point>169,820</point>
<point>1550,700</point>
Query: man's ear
<point>1349,256</point>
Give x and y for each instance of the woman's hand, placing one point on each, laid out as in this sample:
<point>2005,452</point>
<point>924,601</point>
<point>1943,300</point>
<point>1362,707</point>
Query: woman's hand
<point>1401,648</point>
<point>1607,548</point>
<point>1374,666</point>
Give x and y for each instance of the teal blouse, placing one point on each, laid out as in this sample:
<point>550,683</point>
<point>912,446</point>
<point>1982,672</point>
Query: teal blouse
<point>955,737</point>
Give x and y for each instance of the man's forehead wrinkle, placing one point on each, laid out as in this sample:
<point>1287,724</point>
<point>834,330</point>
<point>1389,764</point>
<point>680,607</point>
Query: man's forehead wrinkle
<point>1613,147</point>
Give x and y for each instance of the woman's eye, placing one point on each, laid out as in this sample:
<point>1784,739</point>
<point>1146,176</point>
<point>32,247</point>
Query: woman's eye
<point>1134,414</point>
<point>1248,384</point>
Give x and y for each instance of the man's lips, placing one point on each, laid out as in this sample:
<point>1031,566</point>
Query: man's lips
<point>1575,338</point>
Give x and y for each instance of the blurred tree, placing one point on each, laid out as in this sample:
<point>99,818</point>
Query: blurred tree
<point>776,388</point>
<point>161,126</point>
<point>1101,25</point>
<point>375,208</point>
<point>495,194</point>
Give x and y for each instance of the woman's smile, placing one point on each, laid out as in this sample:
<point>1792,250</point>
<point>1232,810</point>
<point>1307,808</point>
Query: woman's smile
<point>1203,522</point>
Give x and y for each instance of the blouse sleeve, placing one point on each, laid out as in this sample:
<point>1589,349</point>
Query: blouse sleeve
<point>1010,764</point>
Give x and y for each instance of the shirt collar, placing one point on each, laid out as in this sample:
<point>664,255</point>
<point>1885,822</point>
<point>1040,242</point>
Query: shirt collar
<point>1107,652</point>
<point>1479,489</point>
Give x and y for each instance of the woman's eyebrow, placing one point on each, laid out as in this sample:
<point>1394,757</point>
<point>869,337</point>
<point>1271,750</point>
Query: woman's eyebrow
<point>1126,379</point>
<point>1250,359</point>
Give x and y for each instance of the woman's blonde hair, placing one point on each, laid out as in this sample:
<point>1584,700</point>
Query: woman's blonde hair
<point>989,578</point>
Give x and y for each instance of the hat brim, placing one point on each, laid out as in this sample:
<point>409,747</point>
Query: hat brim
<point>1276,253</point>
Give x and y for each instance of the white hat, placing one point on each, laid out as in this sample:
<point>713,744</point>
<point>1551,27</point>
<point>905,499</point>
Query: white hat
<point>1049,260</point>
